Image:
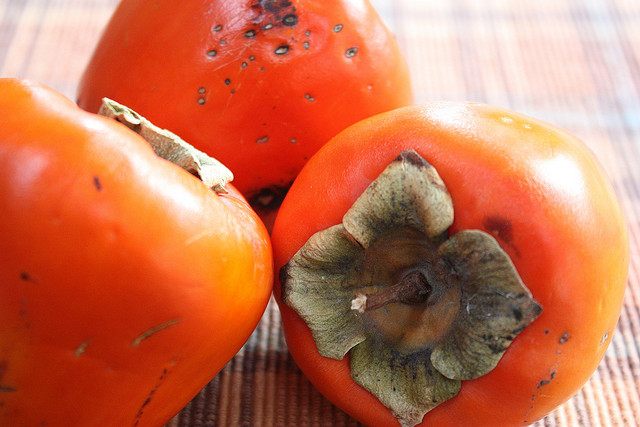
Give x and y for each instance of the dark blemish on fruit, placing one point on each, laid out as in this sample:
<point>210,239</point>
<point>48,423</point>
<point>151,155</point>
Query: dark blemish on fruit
<point>501,228</point>
<point>250,34</point>
<point>263,140</point>
<point>202,90</point>
<point>261,68</point>
<point>546,381</point>
<point>290,20</point>
<point>293,140</point>
<point>351,52</point>
<point>212,53</point>
<point>25,277</point>
<point>233,91</point>
<point>243,65</point>
<point>309,97</point>
<point>307,33</point>
<point>546,332</point>
<point>305,45</point>
<point>543,383</point>
<point>282,50</point>
<point>217,28</point>
<point>267,27</point>
<point>3,370</point>
<point>337,28</point>
<point>252,58</point>
<point>150,396</point>
<point>97,183</point>
<point>223,42</point>
<point>273,6</point>
<point>227,81</point>
<point>201,101</point>
<point>564,338</point>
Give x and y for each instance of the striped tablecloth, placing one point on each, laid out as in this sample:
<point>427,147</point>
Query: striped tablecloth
<point>574,63</point>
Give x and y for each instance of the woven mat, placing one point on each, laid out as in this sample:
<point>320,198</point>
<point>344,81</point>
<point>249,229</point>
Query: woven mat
<point>575,63</point>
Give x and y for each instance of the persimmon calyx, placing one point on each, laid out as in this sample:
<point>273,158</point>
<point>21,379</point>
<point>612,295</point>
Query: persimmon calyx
<point>170,146</point>
<point>417,310</point>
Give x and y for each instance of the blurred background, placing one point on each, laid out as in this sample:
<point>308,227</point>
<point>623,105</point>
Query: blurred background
<point>574,63</point>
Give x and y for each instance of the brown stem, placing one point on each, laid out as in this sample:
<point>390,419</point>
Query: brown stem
<point>411,289</point>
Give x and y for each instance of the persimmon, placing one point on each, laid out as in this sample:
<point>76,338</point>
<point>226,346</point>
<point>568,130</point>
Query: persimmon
<point>126,283</point>
<point>450,264</point>
<point>258,84</point>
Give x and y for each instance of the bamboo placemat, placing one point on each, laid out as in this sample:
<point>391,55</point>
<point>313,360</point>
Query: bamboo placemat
<point>574,63</point>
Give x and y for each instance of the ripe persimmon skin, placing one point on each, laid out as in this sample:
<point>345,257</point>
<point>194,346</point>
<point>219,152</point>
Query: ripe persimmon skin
<point>538,191</point>
<point>125,283</point>
<point>258,85</point>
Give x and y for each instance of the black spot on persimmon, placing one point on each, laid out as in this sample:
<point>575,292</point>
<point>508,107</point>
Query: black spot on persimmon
<point>250,34</point>
<point>274,13</point>
<point>309,97</point>
<point>202,90</point>
<point>25,277</point>
<point>97,183</point>
<point>227,81</point>
<point>217,28</point>
<point>150,396</point>
<point>337,28</point>
<point>282,50</point>
<point>263,140</point>
<point>546,381</point>
<point>273,6</point>
<point>201,101</point>
<point>290,20</point>
<point>564,338</point>
<point>212,53</point>
<point>351,52</point>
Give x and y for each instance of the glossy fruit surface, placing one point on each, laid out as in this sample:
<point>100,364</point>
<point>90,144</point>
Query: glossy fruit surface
<point>125,283</point>
<point>538,191</point>
<point>258,84</point>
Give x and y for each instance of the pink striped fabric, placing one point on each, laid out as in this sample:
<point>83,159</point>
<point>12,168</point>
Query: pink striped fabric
<point>574,63</point>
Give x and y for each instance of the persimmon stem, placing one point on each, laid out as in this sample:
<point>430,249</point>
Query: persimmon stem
<point>411,289</point>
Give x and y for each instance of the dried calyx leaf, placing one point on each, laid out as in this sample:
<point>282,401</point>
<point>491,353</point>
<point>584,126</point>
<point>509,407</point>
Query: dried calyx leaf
<point>417,311</point>
<point>171,147</point>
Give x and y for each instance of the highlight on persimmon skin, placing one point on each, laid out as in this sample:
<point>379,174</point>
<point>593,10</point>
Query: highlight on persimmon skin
<point>126,283</point>
<point>258,85</point>
<point>534,189</point>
